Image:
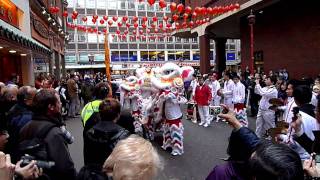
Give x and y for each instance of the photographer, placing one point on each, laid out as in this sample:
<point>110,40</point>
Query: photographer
<point>9,170</point>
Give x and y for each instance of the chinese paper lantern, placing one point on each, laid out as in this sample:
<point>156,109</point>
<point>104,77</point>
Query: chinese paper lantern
<point>165,18</point>
<point>115,18</point>
<point>185,16</point>
<point>118,32</point>
<point>175,17</point>
<point>99,32</point>
<point>160,26</point>
<point>168,25</point>
<point>184,24</point>
<point>141,31</point>
<point>173,6</point>
<point>84,19</point>
<point>105,18</point>
<point>95,30</point>
<point>148,31</point>
<point>101,21</point>
<point>95,17</point>
<point>126,32</point>
<point>162,4</point>
<point>104,30</point>
<point>128,25</point>
<point>153,25</point>
<point>135,18</point>
<point>134,32</point>
<point>135,25</point>
<point>237,6</point>
<point>110,22</point>
<point>154,18</point>
<point>197,10</point>
<point>209,10</point>
<point>194,15</point>
<point>124,18</point>
<point>151,2</point>
<point>94,21</point>
<point>124,36</point>
<point>188,10</point>
<point>119,24</point>
<point>156,30</point>
<point>144,26</point>
<point>144,19</point>
<point>204,11</point>
<point>65,14</point>
<point>191,24</point>
<point>180,8</point>
<point>113,35</point>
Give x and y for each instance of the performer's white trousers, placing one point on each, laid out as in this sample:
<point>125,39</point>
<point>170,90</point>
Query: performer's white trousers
<point>228,102</point>
<point>265,121</point>
<point>204,114</point>
<point>216,101</point>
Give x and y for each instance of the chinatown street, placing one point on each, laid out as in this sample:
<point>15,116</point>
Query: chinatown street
<point>204,148</point>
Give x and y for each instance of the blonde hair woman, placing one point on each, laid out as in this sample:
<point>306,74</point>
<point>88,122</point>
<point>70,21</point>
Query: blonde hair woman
<point>133,158</point>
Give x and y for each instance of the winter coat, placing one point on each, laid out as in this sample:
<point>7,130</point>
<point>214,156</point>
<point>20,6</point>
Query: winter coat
<point>203,96</point>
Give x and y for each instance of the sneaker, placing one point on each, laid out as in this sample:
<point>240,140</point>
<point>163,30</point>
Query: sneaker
<point>200,124</point>
<point>194,122</point>
<point>174,153</point>
<point>206,125</point>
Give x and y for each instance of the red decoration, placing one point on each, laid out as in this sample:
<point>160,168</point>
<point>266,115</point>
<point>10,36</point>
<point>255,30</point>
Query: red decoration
<point>151,2</point>
<point>154,18</point>
<point>180,8</point>
<point>148,31</point>
<point>168,25</point>
<point>204,11</point>
<point>94,21</point>
<point>135,18</point>
<point>194,15</point>
<point>134,32</point>
<point>119,24</point>
<point>135,24</point>
<point>209,10</point>
<point>162,4</point>
<point>95,17</point>
<point>141,31</point>
<point>153,25</point>
<point>105,18</point>
<point>184,24</point>
<point>74,15</point>
<point>124,18</point>
<point>165,18</point>
<point>84,19</point>
<point>173,6</point>
<point>128,25</point>
<point>126,32</point>
<point>101,21</point>
<point>191,24</point>
<point>197,10</point>
<point>144,26</point>
<point>118,32</point>
<point>160,26</point>
<point>144,19</point>
<point>185,16</point>
<point>113,35</point>
<point>110,22</point>
<point>175,17</point>
<point>65,14</point>
<point>104,30</point>
<point>188,10</point>
<point>115,18</point>
<point>156,30</point>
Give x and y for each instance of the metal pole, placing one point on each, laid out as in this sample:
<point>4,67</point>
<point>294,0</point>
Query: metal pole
<point>251,48</point>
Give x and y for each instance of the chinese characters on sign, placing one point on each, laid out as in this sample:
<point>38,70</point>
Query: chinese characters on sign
<point>9,12</point>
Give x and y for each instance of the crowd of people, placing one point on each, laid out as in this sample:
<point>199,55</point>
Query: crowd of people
<point>120,120</point>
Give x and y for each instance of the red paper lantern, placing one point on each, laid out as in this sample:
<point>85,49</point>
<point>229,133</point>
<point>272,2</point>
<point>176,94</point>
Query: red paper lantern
<point>191,24</point>
<point>165,18</point>
<point>188,10</point>
<point>115,18</point>
<point>65,14</point>
<point>99,32</point>
<point>237,6</point>
<point>180,8</point>
<point>118,32</point>
<point>144,26</point>
<point>119,24</point>
<point>148,31</point>
<point>204,11</point>
<point>134,32</point>
<point>126,32</point>
<point>141,31</point>
<point>154,18</point>
<point>175,17</point>
<point>184,24</point>
<point>144,19</point>
<point>135,25</point>
<point>156,30</point>
<point>113,35</point>
<point>209,10</point>
<point>104,30</point>
<point>162,4</point>
<point>105,18</point>
<point>160,26</point>
<point>151,2</point>
<point>84,19</point>
<point>128,25</point>
<point>185,16</point>
<point>94,21</point>
<point>110,22</point>
<point>124,36</point>
<point>95,17</point>
<point>153,25</point>
<point>194,15</point>
<point>124,18</point>
<point>135,18</point>
<point>197,10</point>
<point>173,6</point>
<point>101,21</point>
<point>168,25</point>
<point>198,22</point>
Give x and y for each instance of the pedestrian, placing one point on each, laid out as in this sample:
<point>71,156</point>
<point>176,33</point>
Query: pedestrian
<point>73,94</point>
<point>266,116</point>
<point>227,90</point>
<point>203,98</point>
<point>238,100</point>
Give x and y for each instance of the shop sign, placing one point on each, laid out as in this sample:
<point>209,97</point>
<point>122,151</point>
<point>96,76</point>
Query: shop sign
<point>123,58</point>
<point>231,56</point>
<point>9,12</point>
<point>41,29</point>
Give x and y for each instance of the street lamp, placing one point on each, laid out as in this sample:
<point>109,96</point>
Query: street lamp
<point>251,19</point>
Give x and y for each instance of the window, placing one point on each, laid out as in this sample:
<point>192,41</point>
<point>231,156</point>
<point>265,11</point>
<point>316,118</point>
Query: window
<point>141,6</point>
<point>196,55</point>
<point>124,55</point>
<point>101,38</point>
<point>99,57</point>
<point>92,38</point>
<point>122,4</point>
<point>71,3</point>
<point>232,47</point>
<point>83,58</point>
<point>133,56</point>
<point>101,4</point>
<point>131,5</point>
<point>70,58</point>
<point>80,4</point>
<point>82,37</point>
<point>114,55</point>
<point>171,56</point>
<point>150,8</point>
<point>161,56</point>
<point>112,4</point>
<point>144,56</point>
<point>90,3</point>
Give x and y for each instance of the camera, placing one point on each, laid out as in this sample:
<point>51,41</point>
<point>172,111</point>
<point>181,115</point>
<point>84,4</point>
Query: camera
<point>26,159</point>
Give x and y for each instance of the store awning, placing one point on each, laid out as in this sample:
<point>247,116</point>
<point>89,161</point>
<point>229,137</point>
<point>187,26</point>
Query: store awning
<point>13,34</point>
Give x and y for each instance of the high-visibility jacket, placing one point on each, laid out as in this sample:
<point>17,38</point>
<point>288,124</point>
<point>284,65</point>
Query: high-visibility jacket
<point>88,110</point>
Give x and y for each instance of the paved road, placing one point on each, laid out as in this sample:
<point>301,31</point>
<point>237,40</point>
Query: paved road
<point>204,148</point>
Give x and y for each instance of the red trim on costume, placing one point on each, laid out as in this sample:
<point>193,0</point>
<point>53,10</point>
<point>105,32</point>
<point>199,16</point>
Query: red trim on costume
<point>174,121</point>
<point>239,106</point>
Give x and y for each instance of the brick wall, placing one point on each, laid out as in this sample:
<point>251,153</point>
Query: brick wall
<point>289,36</point>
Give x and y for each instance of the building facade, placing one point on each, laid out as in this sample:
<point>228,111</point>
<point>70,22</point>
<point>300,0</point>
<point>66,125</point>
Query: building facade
<point>26,32</point>
<point>86,50</point>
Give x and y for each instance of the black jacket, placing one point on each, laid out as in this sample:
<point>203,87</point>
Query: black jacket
<point>56,144</point>
<point>100,140</point>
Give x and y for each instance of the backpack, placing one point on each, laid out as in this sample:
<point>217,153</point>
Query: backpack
<point>91,172</point>
<point>36,146</point>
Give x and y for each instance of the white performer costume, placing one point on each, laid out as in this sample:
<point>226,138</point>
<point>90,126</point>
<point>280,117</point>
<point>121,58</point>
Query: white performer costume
<point>238,98</point>
<point>266,116</point>
<point>227,93</point>
<point>215,86</point>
